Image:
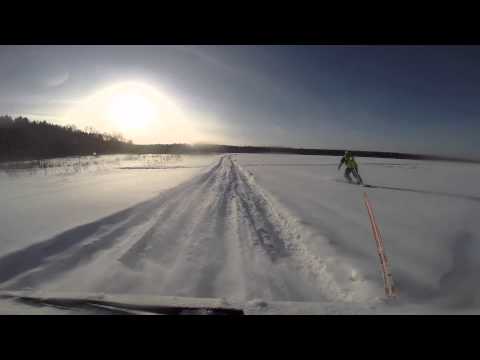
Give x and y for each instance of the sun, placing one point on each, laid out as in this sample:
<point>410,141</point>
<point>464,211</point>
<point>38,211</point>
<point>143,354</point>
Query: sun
<point>130,110</point>
<point>134,109</point>
<point>140,112</point>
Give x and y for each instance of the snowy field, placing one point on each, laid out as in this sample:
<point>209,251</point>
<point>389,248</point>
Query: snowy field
<point>265,233</point>
<point>42,200</point>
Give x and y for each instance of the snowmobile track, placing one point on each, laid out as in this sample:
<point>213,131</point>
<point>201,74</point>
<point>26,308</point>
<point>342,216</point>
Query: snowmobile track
<point>217,235</point>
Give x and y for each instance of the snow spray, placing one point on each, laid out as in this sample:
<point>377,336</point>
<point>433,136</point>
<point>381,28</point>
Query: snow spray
<point>390,291</point>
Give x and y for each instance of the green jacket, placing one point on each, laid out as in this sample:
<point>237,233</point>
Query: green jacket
<point>349,162</point>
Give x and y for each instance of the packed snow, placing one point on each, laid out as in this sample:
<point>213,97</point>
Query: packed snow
<point>42,199</point>
<point>266,233</point>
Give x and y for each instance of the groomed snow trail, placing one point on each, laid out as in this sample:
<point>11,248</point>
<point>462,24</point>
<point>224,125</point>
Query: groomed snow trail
<point>217,235</point>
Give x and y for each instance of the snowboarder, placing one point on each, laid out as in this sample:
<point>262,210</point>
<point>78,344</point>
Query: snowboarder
<point>351,167</point>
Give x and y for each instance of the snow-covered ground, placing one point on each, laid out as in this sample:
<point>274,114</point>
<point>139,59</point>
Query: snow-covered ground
<point>427,213</point>
<point>40,202</point>
<point>268,233</point>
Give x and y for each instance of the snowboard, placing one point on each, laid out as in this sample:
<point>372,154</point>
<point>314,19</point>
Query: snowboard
<point>353,183</point>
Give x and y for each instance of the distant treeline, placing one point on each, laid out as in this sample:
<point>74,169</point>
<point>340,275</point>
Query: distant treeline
<point>22,139</point>
<point>219,149</point>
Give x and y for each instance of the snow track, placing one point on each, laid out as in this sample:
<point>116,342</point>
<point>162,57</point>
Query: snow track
<point>217,235</point>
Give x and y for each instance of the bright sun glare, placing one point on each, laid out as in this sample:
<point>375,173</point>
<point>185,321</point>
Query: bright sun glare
<point>129,109</point>
<point>140,112</point>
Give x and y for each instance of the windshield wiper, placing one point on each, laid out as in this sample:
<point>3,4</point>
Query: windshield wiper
<point>121,308</point>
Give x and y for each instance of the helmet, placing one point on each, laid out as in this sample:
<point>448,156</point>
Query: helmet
<point>348,153</point>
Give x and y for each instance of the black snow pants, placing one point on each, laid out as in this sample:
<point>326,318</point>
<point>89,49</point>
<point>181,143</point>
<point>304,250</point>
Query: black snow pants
<point>355,173</point>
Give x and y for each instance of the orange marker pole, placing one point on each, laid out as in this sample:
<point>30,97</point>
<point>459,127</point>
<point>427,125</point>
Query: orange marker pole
<point>387,275</point>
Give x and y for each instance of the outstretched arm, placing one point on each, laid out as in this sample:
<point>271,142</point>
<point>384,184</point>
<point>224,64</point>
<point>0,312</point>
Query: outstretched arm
<point>341,163</point>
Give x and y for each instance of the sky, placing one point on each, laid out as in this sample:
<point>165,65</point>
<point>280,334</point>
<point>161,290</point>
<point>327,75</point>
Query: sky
<point>416,99</point>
